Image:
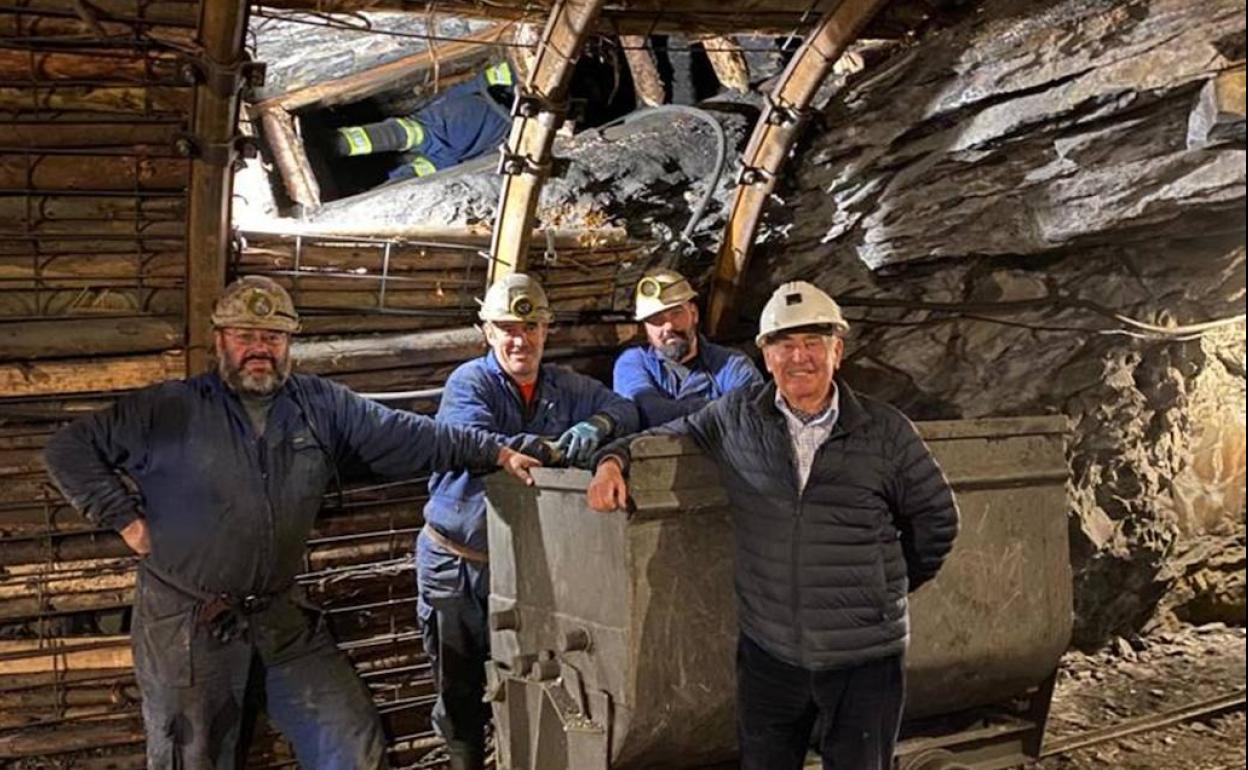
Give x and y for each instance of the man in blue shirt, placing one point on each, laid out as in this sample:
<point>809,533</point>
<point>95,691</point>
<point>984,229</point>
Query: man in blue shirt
<point>215,482</point>
<point>680,371</point>
<point>544,410</point>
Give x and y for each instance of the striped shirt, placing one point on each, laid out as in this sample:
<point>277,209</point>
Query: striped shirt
<point>809,436</point>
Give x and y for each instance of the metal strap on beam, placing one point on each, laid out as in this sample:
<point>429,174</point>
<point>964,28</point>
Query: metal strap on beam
<point>539,112</point>
<point>773,140</point>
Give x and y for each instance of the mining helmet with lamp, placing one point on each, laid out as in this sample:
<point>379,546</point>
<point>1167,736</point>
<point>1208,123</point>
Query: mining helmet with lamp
<point>517,298</point>
<point>661,290</point>
<point>256,302</point>
<point>799,305</point>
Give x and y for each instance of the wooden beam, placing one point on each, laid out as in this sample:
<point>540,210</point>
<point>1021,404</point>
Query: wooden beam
<point>728,59</point>
<point>65,337</point>
<point>221,27</point>
<point>773,140</point>
<point>647,81</point>
<point>89,375</point>
<point>444,59</point>
<point>290,157</point>
<point>527,160</point>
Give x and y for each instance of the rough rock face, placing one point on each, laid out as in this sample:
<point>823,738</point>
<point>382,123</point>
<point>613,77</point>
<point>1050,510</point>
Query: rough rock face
<point>986,200</point>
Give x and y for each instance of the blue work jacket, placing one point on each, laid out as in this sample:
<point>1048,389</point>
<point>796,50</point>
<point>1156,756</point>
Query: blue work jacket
<point>645,377</point>
<point>481,395</point>
<point>230,511</point>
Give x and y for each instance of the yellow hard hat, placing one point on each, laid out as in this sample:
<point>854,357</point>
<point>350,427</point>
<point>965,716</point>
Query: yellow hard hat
<point>661,290</point>
<point>796,305</point>
<point>516,298</point>
<point>256,302</point>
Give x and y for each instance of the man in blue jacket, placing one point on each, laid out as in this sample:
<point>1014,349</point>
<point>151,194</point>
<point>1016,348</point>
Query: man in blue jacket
<point>229,470</point>
<point>680,371</point>
<point>839,511</point>
<point>464,122</point>
<point>511,392</point>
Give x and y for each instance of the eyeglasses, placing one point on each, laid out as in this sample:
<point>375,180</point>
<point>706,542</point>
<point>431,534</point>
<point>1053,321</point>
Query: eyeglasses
<point>252,337</point>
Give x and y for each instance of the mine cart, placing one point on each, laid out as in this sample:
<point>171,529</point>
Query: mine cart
<point>613,635</point>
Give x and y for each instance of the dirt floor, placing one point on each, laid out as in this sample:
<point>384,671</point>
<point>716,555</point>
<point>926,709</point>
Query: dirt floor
<point>1146,676</point>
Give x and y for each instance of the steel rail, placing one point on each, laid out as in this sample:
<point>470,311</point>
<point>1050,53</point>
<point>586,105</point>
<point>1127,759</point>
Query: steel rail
<point>1191,712</point>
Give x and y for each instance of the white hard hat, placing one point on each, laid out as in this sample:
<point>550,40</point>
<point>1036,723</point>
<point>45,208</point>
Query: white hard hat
<point>661,290</point>
<point>516,298</point>
<point>796,305</point>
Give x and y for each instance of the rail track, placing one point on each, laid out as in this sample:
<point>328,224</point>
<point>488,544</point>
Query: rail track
<point>1211,707</point>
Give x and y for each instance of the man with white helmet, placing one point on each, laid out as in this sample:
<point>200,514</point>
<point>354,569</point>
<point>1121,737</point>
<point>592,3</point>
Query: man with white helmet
<point>679,371</point>
<point>840,511</point>
<point>538,406</point>
<point>230,469</point>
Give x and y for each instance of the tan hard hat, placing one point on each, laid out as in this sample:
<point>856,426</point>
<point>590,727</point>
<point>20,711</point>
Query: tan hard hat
<point>661,290</point>
<point>516,298</point>
<point>256,302</point>
<point>796,305</point>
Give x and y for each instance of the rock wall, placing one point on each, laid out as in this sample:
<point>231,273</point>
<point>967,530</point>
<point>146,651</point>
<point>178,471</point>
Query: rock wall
<point>988,202</point>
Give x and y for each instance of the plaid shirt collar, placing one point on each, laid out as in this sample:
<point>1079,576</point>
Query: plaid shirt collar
<point>826,419</point>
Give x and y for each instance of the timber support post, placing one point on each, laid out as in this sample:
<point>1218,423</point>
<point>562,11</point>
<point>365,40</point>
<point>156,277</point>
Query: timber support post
<point>773,139</point>
<point>213,146</point>
<point>541,105</point>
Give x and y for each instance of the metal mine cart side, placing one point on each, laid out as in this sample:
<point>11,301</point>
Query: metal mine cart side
<point>613,635</point>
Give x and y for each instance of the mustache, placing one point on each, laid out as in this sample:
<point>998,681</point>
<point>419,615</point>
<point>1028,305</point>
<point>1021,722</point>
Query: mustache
<point>258,357</point>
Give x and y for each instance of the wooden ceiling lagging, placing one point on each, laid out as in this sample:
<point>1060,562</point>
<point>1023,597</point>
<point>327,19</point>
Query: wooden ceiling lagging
<point>620,17</point>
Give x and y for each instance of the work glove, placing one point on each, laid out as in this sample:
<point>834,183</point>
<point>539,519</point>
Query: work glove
<point>578,443</point>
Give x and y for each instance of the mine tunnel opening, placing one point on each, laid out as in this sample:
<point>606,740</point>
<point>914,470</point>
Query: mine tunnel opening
<point>470,123</point>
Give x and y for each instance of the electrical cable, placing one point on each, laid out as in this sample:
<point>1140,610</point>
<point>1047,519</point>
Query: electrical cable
<point>721,148</point>
<point>983,311</point>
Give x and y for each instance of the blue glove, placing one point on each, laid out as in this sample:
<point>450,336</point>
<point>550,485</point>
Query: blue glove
<point>578,443</point>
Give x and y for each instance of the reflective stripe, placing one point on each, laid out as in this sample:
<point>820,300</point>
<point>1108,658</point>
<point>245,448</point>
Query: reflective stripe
<point>415,133</point>
<point>423,166</point>
<point>499,75</point>
<point>358,140</point>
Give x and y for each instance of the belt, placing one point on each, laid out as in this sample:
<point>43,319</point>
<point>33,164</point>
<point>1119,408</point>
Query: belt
<point>455,549</point>
<point>224,616</point>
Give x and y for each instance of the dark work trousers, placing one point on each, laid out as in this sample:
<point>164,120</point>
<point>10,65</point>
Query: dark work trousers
<point>858,709</point>
<point>196,689</point>
<point>453,605</point>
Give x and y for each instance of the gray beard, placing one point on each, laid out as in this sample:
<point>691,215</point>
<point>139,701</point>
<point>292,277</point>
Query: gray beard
<point>676,351</point>
<point>260,385</point>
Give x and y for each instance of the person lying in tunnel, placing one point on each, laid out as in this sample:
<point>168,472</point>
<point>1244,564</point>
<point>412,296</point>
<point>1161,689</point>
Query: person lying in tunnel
<point>511,392</point>
<point>230,469</point>
<point>679,371</point>
<point>839,510</point>
<point>466,121</point>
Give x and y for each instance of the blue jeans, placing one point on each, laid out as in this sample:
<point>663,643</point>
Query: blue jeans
<point>858,711</point>
<point>453,602</point>
<point>196,689</point>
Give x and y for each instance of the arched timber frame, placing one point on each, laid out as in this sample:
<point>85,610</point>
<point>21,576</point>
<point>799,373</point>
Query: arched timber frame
<point>539,111</point>
<point>774,136</point>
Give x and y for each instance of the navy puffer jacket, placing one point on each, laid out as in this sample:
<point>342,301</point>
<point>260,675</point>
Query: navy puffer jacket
<point>822,575</point>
